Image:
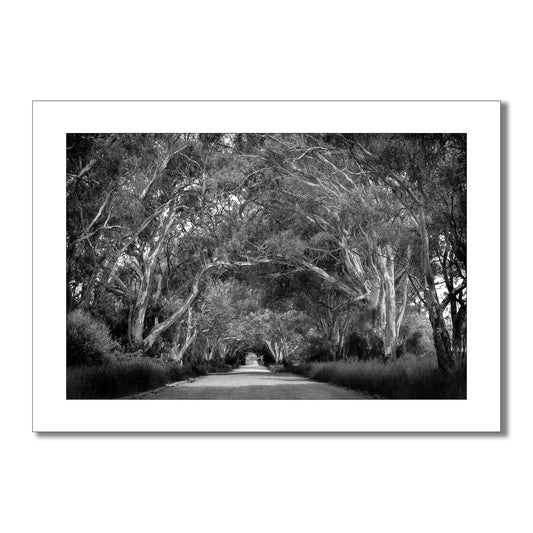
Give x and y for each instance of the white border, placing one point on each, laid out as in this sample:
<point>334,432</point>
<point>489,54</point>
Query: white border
<point>480,412</point>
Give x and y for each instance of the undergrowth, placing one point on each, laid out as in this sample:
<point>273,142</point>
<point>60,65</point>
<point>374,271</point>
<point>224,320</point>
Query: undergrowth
<point>407,378</point>
<point>123,378</point>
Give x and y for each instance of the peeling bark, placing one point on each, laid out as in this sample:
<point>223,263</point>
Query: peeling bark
<point>190,337</point>
<point>158,329</point>
<point>147,271</point>
<point>441,336</point>
<point>385,266</point>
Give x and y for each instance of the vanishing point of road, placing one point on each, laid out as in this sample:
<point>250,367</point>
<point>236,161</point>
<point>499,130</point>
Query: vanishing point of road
<point>250,382</point>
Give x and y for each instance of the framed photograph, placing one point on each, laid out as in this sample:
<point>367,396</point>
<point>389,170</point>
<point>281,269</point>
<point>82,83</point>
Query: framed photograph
<point>249,262</point>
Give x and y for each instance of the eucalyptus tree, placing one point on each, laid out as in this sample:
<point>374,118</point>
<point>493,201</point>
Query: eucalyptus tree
<point>91,183</point>
<point>427,174</point>
<point>149,216</point>
<point>333,316</point>
<point>283,332</point>
<point>330,313</point>
<point>224,305</point>
<point>346,228</point>
<point>200,196</point>
<point>153,219</point>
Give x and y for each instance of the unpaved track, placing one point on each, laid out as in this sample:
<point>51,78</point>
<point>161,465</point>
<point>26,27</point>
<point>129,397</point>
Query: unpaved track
<point>250,382</point>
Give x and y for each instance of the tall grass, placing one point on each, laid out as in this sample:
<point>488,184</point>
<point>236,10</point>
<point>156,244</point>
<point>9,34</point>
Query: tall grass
<point>408,378</point>
<point>129,377</point>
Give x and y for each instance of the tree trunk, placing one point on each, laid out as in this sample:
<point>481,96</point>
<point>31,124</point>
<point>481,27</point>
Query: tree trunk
<point>387,308</point>
<point>389,337</point>
<point>158,329</point>
<point>130,324</point>
<point>141,305</point>
<point>70,299</point>
<point>189,339</point>
<point>87,294</point>
<point>441,337</point>
<point>403,303</point>
<point>457,312</point>
<point>459,334</point>
<point>184,347</point>
<point>143,296</point>
<point>274,350</point>
<point>210,353</point>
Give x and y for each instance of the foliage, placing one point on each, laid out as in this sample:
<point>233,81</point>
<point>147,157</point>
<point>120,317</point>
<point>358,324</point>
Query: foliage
<point>409,377</point>
<point>283,332</point>
<point>223,307</point>
<point>302,246</point>
<point>89,341</point>
<point>365,345</point>
<point>318,350</point>
<point>417,334</point>
<point>130,376</point>
<point>235,358</point>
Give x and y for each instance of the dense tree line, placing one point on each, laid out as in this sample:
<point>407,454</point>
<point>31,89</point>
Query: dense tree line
<point>201,245</point>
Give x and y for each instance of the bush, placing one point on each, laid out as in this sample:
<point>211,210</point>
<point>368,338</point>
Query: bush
<point>319,350</point>
<point>406,378</point>
<point>217,368</point>
<point>130,375</point>
<point>114,315</point>
<point>89,341</point>
<point>235,359</point>
<point>365,346</point>
<point>418,335</point>
<point>138,374</point>
<point>200,370</point>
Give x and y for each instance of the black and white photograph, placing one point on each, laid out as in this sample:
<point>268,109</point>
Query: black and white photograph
<point>294,266</point>
<point>204,252</point>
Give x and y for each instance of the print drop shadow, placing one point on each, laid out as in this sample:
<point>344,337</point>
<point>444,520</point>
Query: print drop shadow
<point>504,351</point>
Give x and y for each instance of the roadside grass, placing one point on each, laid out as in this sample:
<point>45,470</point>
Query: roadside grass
<point>122,378</point>
<point>406,378</point>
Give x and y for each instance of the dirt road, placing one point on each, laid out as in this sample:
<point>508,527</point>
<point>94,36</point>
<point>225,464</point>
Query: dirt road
<point>250,382</point>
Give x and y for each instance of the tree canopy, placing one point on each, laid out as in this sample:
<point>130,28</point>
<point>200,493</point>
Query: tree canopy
<point>201,245</point>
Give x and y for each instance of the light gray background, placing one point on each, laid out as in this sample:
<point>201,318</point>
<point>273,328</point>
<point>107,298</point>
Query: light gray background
<point>377,50</point>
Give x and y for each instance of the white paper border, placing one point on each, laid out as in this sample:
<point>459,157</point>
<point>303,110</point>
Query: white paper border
<point>479,119</point>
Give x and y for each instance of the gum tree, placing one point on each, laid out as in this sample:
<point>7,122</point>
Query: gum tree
<point>427,174</point>
<point>346,228</point>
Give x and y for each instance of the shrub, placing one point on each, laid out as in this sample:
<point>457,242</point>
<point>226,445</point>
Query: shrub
<point>406,378</point>
<point>89,341</point>
<point>138,374</point>
<point>319,350</point>
<point>413,343</point>
<point>235,359</point>
<point>114,315</point>
<point>130,375</point>
<point>217,368</point>
<point>200,370</point>
<point>365,345</point>
<point>418,335</point>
